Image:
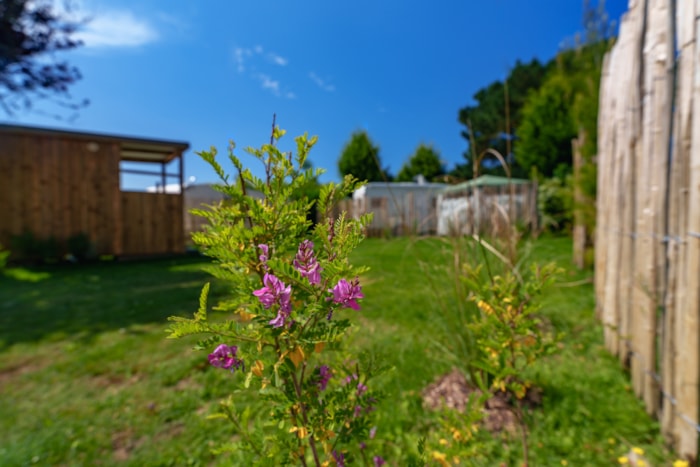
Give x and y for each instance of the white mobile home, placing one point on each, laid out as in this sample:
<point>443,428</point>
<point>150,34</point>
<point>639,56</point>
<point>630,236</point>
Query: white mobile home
<point>399,207</point>
<point>484,205</point>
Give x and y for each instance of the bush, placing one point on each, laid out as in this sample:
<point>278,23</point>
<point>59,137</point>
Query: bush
<point>555,201</point>
<point>79,246</point>
<point>28,248</point>
<point>4,255</point>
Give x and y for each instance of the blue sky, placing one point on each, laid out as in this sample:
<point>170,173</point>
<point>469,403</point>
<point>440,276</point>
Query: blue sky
<point>208,72</point>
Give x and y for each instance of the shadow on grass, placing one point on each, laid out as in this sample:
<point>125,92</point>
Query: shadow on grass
<point>81,301</point>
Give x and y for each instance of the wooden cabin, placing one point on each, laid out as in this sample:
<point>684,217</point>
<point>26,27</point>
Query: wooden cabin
<point>57,184</point>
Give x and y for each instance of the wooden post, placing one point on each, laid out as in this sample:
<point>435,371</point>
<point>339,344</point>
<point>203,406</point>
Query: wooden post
<point>674,358</point>
<point>604,160</point>
<point>688,396</point>
<point>579,239</point>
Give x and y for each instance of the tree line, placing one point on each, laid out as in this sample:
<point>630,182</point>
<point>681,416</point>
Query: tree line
<point>530,117</point>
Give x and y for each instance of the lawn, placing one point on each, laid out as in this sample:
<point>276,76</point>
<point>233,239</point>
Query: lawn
<point>88,378</point>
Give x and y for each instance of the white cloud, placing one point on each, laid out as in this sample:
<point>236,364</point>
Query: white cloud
<point>321,83</point>
<point>173,21</point>
<point>240,54</point>
<point>277,59</point>
<point>249,60</point>
<point>273,85</point>
<point>116,28</point>
<point>268,83</point>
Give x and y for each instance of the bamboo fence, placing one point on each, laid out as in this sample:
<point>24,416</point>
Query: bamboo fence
<point>648,220</point>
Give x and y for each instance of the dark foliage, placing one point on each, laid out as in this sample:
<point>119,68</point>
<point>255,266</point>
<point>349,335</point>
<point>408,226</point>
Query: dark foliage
<point>360,158</point>
<point>487,120</point>
<point>31,32</point>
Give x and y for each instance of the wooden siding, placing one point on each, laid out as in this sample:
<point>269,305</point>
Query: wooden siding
<point>151,223</point>
<point>58,188</point>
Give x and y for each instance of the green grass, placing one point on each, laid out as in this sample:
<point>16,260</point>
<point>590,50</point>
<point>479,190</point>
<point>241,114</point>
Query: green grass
<point>88,378</point>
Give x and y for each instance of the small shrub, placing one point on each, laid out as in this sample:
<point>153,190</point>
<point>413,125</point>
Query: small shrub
<point>555,201</point>
<point>79,246</point>
<point>4,256</point>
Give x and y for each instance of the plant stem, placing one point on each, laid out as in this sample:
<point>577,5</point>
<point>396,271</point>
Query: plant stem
<point>523,430</point>
<point>305,419</point>
<point>244,433</point>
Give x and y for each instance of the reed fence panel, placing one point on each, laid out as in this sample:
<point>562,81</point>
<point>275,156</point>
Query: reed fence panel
<point>648,219</point>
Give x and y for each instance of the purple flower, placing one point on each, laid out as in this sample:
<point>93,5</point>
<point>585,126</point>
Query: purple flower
<point>372,432</point>
<point>358,411</point>
<point>345,293</point>
<point>280,320</point>
<point>349,378</point>
<point>361,389</point>
<point>264,256</point>
<point>324,375</point>
<point>339,459</point>
<point>378,461</point>
<point>305,262</point>
<point>224,356</point>
<point>275,292</point>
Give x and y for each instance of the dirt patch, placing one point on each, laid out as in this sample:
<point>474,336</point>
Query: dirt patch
<point>170,431</point>
<point>453,391</point>
<point>113,382</point>
<point>187,384</point>
<point>123,444</point>
<point>18,369</point>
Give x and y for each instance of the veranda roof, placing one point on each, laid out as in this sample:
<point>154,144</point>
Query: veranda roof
<point>484,180</point>
<point>131,148</point>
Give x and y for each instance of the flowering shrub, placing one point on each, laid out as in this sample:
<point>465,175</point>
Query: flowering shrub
<point>510,336</point>
<point>290,287</point>
<point>498,335</point>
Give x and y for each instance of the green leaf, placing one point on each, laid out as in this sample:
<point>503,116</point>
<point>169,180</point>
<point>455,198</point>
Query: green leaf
<point>201,314</point>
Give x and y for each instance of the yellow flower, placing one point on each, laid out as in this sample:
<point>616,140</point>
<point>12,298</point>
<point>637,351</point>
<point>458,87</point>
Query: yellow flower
<point>485,307</point>
<point>641,463</point>
<point>680,463</point>
<point>443,442</point>
<point>611,440</point>
<point>441,458</point>
<point>564,462</point>
<point>623,460</point>
<point>638,451</point>
<point>258,368</point>
<point>300,431</point>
